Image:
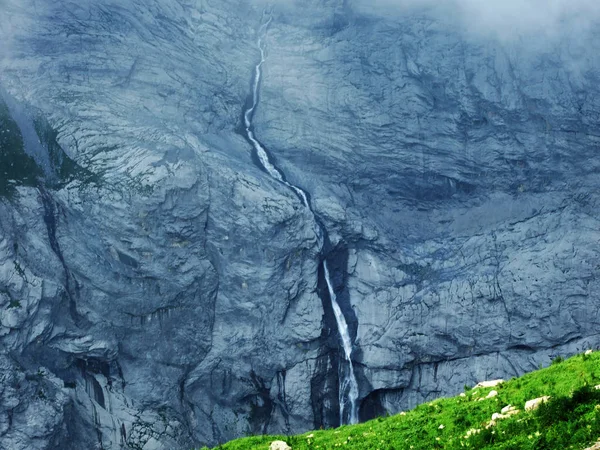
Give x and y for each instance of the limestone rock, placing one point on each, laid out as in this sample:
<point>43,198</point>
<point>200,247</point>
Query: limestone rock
<point>535,403</point>
<point>279,445</point>
<point>489,384</point>
<point>505,413</point>
<point>507,408</point>
<point>492,394</point>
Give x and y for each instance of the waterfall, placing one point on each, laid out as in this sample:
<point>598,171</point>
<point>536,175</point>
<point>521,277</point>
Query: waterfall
<point>348,393</point>
<point>261,152</point>
<point>348,386</point>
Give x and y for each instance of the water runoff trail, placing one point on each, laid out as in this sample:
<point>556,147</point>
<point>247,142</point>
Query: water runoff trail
<point>348,388</point>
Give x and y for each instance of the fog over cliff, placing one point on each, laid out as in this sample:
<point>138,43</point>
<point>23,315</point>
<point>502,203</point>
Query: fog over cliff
<point>505,19</point>
<point>434,222</point>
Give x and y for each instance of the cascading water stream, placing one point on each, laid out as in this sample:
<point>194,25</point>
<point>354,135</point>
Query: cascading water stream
<point>348,388</point>
<point>348,383</point>
<point>263,156</point>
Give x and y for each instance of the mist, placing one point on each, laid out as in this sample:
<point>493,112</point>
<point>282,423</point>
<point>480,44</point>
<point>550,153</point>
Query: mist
<point>504,19</point>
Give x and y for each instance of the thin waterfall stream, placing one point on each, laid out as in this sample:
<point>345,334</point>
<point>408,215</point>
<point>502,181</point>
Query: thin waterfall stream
<point>261,152</point>
<point>348,385</point>
<point>348,391</point>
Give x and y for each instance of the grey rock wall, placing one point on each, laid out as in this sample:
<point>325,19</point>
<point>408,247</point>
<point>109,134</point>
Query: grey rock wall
<point>165,292</point>
<point>465,189</point>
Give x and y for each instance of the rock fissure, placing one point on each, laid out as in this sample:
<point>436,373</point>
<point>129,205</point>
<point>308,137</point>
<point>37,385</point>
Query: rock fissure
<point>50,221</point>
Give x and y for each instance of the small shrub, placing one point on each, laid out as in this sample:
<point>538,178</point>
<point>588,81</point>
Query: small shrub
<point>554,410</point>
<point>557,360</point>
<point>460,421</point>
<point>483,438</point>
<point>586,394</point>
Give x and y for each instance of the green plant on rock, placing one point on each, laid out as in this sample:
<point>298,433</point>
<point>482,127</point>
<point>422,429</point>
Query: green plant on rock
<point>14,304</point>
<point>17,168</point>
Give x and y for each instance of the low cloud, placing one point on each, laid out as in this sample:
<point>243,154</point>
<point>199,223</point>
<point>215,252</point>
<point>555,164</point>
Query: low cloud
<point>505,19</point>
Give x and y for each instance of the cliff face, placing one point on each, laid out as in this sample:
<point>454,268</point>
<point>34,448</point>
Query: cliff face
<point>464,189</point>
<point>158,290</point>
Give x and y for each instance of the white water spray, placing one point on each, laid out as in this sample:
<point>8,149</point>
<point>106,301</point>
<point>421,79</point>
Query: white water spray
<point>348,389</point>
<point>348,384</point>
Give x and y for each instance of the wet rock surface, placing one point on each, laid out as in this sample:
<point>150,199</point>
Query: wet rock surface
<point>164,292</point>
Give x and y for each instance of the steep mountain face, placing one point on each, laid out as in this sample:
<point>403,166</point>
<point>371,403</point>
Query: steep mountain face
<point>159,290</point>
<point>464,190</point>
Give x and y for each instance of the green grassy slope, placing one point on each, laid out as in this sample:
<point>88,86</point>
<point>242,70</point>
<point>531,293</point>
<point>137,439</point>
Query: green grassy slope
<point>570,419</point>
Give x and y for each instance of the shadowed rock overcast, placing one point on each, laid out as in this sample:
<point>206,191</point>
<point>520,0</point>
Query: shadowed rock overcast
<point>160,290</point>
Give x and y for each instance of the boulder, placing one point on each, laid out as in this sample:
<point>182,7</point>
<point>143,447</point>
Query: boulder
<point>507,408</point>
<point>596,446</point>
<point>535,403</point>
<point>492,394</point>
<point>279,445</point>
<point>489,384</point>
<point>504,415</point>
